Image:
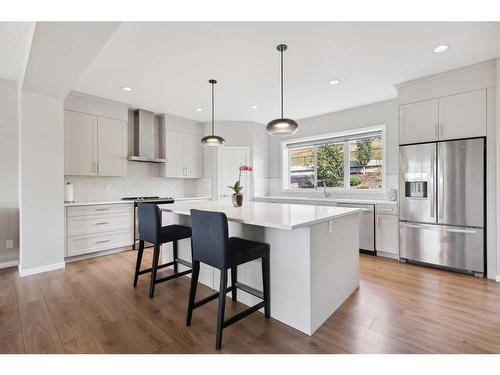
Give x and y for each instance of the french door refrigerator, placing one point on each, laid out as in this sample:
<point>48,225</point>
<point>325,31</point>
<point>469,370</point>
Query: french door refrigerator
<point>442,204</point>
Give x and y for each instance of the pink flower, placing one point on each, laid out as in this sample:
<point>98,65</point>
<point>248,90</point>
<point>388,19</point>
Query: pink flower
<point>246,168</point>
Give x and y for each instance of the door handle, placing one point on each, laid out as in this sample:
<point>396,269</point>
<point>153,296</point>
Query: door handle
<point>99,167</point>
<point>456,230</point>
<point>436,127</point>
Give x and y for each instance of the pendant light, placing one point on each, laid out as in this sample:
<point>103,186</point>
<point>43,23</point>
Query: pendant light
<point>212,140</point>
<point>285,126</point>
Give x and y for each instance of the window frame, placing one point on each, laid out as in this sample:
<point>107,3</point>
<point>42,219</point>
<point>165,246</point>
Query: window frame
<point>285,161</point>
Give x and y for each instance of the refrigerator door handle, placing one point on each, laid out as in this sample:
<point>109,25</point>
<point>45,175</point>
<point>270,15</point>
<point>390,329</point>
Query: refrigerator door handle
<point>440,183</point>
<point>433,186</point>
<point>457,230</point>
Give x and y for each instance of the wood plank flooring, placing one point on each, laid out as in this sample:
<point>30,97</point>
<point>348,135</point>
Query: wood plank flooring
<point>91,307</point>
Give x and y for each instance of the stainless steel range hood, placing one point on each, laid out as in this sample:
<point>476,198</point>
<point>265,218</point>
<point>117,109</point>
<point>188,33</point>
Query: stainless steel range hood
<point>148,138</point>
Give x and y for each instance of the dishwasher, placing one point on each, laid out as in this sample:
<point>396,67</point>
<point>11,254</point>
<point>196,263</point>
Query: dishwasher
<point>366,226</point>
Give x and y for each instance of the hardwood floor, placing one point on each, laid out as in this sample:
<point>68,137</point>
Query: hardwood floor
<point>91,307</point>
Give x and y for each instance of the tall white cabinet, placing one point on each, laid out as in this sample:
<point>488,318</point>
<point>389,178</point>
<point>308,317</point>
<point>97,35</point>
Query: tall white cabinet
<point>95,144</point>
<point>449,117</point>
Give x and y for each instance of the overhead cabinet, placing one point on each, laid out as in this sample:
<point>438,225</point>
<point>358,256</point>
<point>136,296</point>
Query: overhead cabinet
<point>449,117</point>
<point>183,155</point>
<point>94,145</point>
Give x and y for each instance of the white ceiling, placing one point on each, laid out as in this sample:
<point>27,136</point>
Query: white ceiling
<point>14,47</point>
<point>169,64</point>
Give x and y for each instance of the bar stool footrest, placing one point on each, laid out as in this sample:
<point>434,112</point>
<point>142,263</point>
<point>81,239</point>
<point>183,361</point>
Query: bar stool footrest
<point>211,297</point>
<point>174,276</point>
<point>243,314</point>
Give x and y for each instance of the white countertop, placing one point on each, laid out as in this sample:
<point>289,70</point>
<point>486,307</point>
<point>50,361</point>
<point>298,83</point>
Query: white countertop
<point>128,201</point>
<point>272,215</point>
<point>283,198</point>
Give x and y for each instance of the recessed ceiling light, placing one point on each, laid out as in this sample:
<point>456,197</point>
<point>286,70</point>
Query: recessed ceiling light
<point>255,106</point>
<point>126,88</point>
<point>198,110</point>
<point>441,48</point>
<point>334,82</point>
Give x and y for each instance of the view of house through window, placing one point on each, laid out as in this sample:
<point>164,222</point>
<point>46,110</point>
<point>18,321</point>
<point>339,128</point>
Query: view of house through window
<point>327,162</point>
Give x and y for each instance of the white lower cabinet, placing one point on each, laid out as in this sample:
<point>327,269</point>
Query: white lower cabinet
<point>387,232</point>
<point>98,227</point>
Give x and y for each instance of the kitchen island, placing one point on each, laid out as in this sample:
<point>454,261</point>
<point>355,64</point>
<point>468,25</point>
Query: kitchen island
<point>314,255</point>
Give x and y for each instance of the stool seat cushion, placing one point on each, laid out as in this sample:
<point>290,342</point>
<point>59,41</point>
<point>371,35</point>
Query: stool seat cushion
<point>174,232</point>
<point>241,251</point>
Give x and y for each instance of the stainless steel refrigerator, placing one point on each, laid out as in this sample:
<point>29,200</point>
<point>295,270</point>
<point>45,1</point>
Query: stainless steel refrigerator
<point>442,204</point>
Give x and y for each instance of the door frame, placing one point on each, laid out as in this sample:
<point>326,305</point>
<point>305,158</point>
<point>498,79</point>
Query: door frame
<point>247,151</point>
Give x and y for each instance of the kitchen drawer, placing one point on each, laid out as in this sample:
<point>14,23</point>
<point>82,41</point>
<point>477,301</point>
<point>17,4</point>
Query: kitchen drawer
<point>100,209</point>
<point>88,224</point>
<point>78,245</point>
<point>386,209</point>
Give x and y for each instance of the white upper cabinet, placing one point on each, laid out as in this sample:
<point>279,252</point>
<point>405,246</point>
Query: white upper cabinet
<point>94,146</point>
<point>111,147</point>
<point>193,156</point>
<point>418,122</point>
<point>183,155</point>
<point>462,115</point>
<point>448,117</point>
<point>80,148</point>
<point>95,135</point>
<point>174,154</point>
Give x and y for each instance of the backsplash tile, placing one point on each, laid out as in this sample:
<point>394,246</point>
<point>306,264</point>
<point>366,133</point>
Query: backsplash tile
<point>142,179</point>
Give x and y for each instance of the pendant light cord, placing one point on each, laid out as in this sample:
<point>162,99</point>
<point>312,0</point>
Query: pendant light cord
<point>281,83</point>
<point>213,109</point>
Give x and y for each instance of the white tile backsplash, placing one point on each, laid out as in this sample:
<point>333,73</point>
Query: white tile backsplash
<point>142,179</point>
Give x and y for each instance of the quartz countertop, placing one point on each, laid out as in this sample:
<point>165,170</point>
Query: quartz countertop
<point>312,200</point>
<point>119,201</point>
<point>265,214</point>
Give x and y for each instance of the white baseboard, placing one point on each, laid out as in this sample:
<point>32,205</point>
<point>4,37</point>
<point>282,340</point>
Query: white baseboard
<point>10,263</point>
<point>41,269</point>
<point>77,258</point>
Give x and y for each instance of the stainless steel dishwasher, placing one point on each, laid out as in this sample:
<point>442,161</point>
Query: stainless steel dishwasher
<point>366,225</point>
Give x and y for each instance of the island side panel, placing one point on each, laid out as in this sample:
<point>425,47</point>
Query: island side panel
<point>290,277</point>
<point>334,266</point>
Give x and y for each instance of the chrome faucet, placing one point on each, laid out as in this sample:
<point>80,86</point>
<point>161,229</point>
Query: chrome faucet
<point>325,193</point>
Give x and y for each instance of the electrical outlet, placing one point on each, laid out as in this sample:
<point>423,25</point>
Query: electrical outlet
<point>9,244</point>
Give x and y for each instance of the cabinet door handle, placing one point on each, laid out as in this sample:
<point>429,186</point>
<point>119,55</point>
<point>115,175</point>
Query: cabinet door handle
<point>103,223</point>
<point>102,209</point>
<point>103,241</point>
<point>96,169</point>
<point>386,209</point>
<point>437,130</point>
<point>99,167</point>
<point>441,129</point>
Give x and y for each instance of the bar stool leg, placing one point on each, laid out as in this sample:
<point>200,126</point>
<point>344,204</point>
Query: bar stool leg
<point>154,270</point>
<point>192,291</point>
<point>265,282</point>
<point>222,305</point>
<point>175,245</point>
<point>138,262</point>
<point>234,277</point>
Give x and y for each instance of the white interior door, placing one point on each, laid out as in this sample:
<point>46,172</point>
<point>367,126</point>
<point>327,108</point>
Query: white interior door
<point>230,159</point>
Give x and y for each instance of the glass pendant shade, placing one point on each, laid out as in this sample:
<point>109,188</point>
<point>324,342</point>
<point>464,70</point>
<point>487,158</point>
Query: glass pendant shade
<point>213,140</point>
<point>282,126</point>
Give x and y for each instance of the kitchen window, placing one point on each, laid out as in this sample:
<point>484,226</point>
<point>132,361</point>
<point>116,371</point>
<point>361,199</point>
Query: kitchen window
<point>343,161</point>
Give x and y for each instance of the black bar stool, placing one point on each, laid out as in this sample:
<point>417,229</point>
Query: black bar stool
<point>211,245</point>
<point>151,230</point>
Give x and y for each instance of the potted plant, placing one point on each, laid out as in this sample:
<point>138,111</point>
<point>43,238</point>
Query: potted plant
<point>237,188</point>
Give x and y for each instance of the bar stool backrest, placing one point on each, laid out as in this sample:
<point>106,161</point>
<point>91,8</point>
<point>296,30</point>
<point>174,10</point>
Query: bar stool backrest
<point>149,222</point>
<point>209,237</point>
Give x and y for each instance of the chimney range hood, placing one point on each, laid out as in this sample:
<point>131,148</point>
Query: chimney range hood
<point>148,138</point>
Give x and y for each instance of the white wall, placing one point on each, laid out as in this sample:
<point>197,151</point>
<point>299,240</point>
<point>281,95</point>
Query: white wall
<point>386,112</point>
<point>41,183</point>
<point>497,126</point>
<point>9,201</point>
